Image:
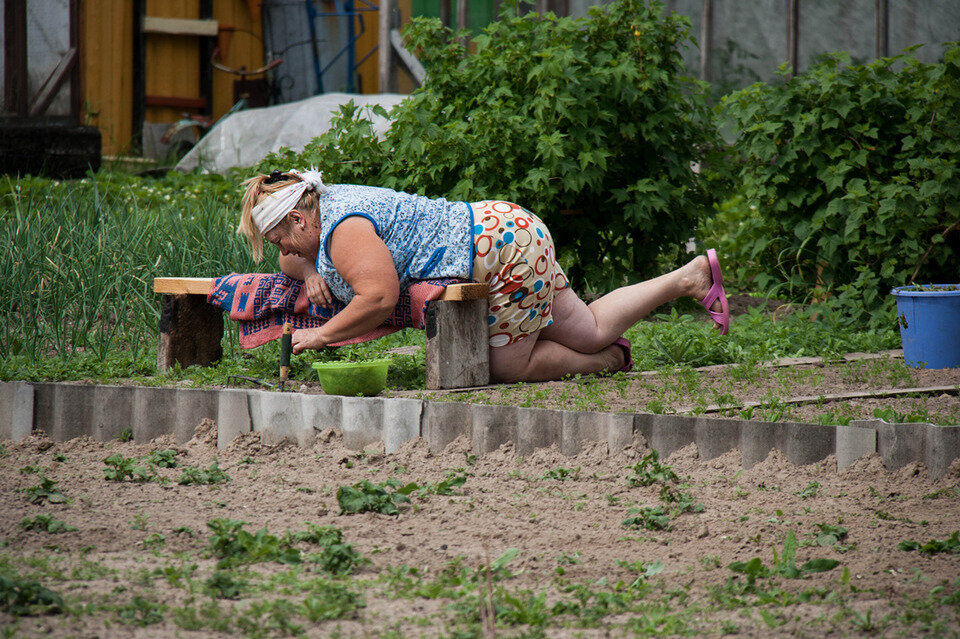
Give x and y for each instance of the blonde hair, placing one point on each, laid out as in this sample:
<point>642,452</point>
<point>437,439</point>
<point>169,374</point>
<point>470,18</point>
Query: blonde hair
<point>257,189</point>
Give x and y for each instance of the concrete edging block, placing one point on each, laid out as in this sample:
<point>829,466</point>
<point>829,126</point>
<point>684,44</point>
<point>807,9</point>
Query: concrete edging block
<point>620,432</point>
<point>193,406</point>
<point>73,411</point>
<point>715,436</point>
<point>577,428</point>
<point>493,426</point>
<point>154,413</point>
<point>855,440</point>
<point>276,416</point>
<point>401,422</point>
<point>319,413</point>
<point>538,428</point>
<point>114,411</point>
<point>670,433</point>
<point>69,410</point>
<point>643,425</point>
<point>16,410</point>
<point>361,421</point>
<point>942,447</point>
<point>757,439</point>
<point>901,444</point>
<point>805,444</point>
<point>233,416</point>
<point>443,422</point>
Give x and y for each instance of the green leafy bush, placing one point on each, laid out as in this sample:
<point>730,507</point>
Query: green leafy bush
<point>365,496</point>
<point>203,477</point>
<point>25,596</point>
<point>588,122</point>
<point>120,467</point>
<point>46,523</point>
<point>234,546</point>
<point>850,180</point>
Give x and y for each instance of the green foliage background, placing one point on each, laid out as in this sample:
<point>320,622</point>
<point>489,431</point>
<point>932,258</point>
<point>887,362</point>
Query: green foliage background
<point>590,123</point>
<point>849,180</point>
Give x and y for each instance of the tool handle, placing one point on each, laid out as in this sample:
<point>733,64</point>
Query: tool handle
<point>286,346</point>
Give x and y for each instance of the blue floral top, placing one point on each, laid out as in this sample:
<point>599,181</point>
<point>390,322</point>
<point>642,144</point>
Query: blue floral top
<point>428,238</point>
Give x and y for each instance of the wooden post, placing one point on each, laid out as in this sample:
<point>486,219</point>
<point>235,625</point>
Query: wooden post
<point>706,41</point>
<point>457,354</point>
<point>463,18</point>
<point>190,331</point>
<point>882,49</point>
<point>445,13</point>
<point>793,35</point>
<point>386,68</point>
<point>15,96</point>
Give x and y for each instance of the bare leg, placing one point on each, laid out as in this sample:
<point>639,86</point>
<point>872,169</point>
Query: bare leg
<point>589,329</point>
<point>535,359</point>
<point>580,339</point>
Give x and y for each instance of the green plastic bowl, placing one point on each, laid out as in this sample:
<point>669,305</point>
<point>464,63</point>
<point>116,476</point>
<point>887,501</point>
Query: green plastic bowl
<point>353,378</point>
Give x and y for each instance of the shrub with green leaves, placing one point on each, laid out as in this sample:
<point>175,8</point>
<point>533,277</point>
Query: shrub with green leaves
<point>365,496</point>
<point>46,523</point>
<point>588,122</point>
<point>850,179</point>
<point>950,545</point>
<point>234,546</point>
<point>25,596</point>
<point>203,476</point>
<point>120,468</point>
<point>46,490</point>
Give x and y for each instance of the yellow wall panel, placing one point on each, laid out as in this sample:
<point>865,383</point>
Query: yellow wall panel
<point>107,68</point>
<point>172,62</point>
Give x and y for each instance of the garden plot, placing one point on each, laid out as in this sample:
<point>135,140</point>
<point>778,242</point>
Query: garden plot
<point>358,543</point>
<point>824,392</point>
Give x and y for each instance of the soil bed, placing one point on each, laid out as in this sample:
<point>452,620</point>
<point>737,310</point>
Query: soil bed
<point>141,564</point>
<point>802,392</point>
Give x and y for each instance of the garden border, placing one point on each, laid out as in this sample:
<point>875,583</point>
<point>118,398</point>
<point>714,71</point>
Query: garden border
<point>70,410</point>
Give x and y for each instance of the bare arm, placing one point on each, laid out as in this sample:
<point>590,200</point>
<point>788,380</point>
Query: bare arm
<point>303,269</point>
<point>364,261</point>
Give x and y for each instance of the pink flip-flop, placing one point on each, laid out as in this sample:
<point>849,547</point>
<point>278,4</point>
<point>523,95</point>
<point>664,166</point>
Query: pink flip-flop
<point>625,345</point>
<point>716,292</point>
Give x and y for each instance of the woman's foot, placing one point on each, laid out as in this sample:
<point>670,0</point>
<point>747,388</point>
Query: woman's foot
<point>696,280</point>
<point>702,280</point>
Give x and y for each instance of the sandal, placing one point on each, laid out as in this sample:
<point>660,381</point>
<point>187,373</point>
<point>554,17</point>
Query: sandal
<point>625,345</point>
<point>716,292</point>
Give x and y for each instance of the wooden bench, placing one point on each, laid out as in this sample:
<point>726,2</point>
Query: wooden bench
<point>456,325</point>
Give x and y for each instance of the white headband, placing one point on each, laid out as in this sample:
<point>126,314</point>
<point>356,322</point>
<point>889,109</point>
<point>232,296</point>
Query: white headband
<point>275,206</point>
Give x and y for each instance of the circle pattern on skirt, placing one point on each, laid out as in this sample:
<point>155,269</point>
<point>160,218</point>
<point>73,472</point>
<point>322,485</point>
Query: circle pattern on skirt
<point>515,256</point>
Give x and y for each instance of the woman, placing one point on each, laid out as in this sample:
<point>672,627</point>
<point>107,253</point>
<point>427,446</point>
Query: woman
<point>363,245</point>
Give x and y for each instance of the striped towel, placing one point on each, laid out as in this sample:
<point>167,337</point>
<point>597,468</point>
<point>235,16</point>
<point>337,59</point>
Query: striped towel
<point>263,302</point>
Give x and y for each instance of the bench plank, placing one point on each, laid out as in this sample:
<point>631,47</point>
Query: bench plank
<point>201,286</point>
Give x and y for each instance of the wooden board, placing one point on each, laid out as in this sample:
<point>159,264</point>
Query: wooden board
<point>201,286</point>
<point>182,285</point>
<point>180,26</point>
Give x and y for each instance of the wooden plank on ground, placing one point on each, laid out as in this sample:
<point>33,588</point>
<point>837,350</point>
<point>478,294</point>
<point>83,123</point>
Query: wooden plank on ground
<point>832,397</point>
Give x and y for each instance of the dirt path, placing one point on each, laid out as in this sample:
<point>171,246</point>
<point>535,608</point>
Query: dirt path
<point>562,562</point>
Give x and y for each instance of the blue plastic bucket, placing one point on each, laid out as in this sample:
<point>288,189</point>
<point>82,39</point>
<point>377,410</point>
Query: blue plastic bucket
<point>929,318</point>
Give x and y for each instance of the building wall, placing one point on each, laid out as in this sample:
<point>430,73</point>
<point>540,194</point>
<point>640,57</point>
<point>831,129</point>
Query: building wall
<point>172,62</point>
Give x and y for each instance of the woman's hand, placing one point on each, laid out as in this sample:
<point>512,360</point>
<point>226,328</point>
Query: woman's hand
<point>305,338</point>
<point>318,291</point>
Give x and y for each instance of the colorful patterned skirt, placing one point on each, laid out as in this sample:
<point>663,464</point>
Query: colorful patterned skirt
<point>514,254</point>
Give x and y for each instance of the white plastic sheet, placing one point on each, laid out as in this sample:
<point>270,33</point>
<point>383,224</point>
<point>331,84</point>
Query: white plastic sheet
<point>245,137</point>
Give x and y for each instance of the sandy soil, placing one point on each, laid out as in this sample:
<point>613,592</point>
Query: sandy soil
<point>563,516</point>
